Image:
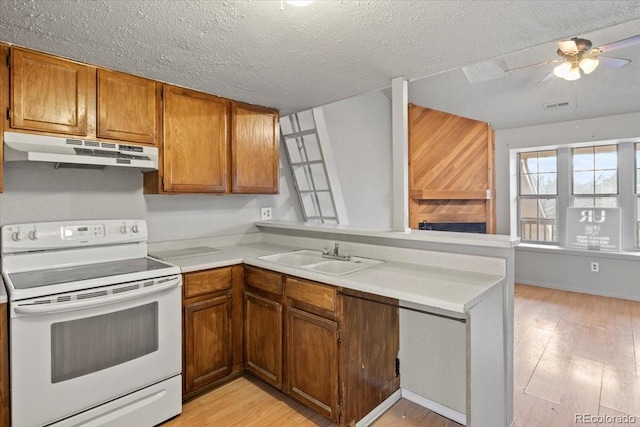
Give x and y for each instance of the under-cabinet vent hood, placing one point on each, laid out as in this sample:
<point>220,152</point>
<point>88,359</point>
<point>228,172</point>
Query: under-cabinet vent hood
<point>80,153</point>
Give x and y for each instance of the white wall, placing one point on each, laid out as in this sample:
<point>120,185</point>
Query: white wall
<point>36,192</point>
<point>360,133</point>
<point>565,269</point>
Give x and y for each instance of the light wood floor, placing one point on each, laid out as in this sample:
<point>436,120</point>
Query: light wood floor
<point>574,353</point>
<point>247,401</point>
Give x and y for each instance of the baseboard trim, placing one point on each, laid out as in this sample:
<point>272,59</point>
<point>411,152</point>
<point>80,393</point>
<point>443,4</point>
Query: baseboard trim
<point>380,409</point>
<point>436,407</point>
<point>577,290</point>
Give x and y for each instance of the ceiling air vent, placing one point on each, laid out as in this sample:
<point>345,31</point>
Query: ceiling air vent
<point>555,105</point>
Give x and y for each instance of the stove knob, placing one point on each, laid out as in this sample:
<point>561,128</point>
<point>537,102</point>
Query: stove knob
<point>134,228</point>
<point>34,234</point>
<point>124,229</point>
<point>17,236</point>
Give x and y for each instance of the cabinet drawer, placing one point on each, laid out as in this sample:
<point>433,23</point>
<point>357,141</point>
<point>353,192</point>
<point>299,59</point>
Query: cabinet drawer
<point>313,294</point>
<point>203,282</point>
<point>265,280</point>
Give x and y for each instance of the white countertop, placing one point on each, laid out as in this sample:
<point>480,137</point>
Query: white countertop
<point>443,237</point>
<point>439,288</point>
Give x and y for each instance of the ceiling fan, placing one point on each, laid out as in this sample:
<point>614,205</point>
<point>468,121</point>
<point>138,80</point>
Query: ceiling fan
<point>578,57</point>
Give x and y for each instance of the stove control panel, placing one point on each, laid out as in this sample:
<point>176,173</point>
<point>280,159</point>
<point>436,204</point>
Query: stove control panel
<point>82,231</point>
<point>59,235</point>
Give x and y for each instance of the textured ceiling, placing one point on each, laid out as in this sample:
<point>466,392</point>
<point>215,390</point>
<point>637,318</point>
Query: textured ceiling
<point>295,58</point>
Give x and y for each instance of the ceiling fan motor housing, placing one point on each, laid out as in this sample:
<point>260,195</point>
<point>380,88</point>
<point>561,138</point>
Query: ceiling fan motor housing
<point>583,46</point>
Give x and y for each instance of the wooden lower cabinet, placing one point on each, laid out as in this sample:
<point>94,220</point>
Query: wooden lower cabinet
<point>339,346</point>
<point>212,328</point>
<point>208,341</point>
<point>263,338</point>
<point>312,361</point>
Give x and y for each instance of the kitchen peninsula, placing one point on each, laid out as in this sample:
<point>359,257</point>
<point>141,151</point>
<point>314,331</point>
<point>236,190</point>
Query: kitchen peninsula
<point>454,293</point>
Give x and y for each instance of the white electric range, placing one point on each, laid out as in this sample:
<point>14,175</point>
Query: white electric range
<point>95,325</point>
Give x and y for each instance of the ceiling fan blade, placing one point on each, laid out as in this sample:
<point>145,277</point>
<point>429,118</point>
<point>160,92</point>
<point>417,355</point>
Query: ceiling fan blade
<point>553,61</point>
<point>613,62</point>
<point>569,47</point>
<point>619,44</point>
<point>548,77</point>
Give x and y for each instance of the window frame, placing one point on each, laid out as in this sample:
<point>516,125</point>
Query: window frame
<point>615,196</point>
<point>536,197</point>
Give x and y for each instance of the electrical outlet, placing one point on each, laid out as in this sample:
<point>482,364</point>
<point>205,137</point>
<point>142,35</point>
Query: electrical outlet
<point>265,214</point>
<point>595,267</point>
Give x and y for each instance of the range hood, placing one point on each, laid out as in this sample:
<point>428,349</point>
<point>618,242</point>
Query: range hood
<point>77,153</point>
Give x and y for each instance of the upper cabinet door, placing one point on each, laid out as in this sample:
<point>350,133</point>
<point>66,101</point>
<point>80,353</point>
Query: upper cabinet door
<point>195,141</point>
<point>48,94</point>
<point>126,107</point>
<point>254,149</point>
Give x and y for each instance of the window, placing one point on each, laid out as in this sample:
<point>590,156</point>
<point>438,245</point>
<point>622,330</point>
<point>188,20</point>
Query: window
<point>595,176</point>
<point>637,195</point>
<point>538,196</point>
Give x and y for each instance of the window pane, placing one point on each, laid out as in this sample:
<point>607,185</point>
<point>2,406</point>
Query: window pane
<point>529,162</point>
<point>548,183</point>
<point>606,182</point>
<point>583,159</point>
<point>637,167</point>
<point>547,161</point>
<point>606,202</point>
<point>638,222</point>
<point>583,182</point>
<point>528,184</point>
<point>547,231</point>
<point>529,208</point>
<point>547,208</point>
<point>529,230</point>
<point>583,202</point>
<point>606,157</point>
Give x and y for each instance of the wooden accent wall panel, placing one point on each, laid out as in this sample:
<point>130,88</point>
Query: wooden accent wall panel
<point>451,174</point>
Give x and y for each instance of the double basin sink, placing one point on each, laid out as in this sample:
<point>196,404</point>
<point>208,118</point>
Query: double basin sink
<point>314,261</point>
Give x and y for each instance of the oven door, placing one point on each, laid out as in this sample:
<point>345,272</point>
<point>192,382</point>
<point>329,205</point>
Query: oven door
<point>69,357</point>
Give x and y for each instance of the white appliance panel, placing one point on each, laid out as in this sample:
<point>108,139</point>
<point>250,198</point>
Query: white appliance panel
<point>61,361</point>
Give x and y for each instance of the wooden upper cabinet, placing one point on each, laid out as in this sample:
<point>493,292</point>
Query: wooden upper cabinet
<point>48,93</point>
<point>195,141</point>
<point>4,102</point>
<point>254,149</point>
<point>126,107</point>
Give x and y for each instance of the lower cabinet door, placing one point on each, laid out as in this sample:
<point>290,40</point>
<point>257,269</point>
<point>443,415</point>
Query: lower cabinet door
<point>208,352</point>
<point>312,361</point>
<point>263,338</point>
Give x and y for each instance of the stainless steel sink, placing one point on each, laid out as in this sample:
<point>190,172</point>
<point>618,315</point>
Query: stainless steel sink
<point>314,261</point>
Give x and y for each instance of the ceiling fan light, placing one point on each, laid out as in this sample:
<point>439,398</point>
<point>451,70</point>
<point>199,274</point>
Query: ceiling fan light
<point>562,70</point>
<point>573,74</point>
<point>588,64</point>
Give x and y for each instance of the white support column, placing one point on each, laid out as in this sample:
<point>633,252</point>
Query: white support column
<point>400,149</point>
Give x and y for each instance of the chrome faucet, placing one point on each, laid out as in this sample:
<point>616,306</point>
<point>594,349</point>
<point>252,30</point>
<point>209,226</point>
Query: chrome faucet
<point>335,254</point>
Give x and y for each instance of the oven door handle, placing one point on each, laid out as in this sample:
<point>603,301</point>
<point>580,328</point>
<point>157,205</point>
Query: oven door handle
<point>35,309</point>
